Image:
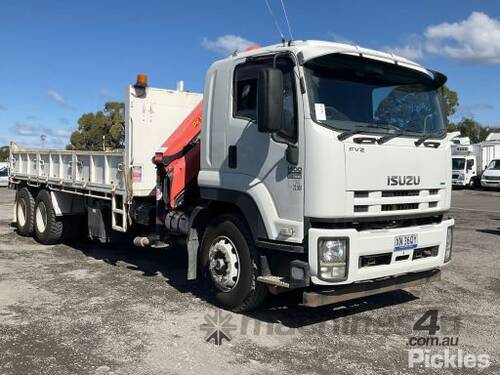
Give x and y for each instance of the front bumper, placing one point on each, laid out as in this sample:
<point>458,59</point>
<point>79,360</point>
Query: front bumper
<point>381,241</point>
<point>490,183</point>
<point>458,182</point>
<point>361,290</point>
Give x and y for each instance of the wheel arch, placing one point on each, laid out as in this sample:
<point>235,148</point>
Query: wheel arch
<point>203,215</point>
<point>222,201</point>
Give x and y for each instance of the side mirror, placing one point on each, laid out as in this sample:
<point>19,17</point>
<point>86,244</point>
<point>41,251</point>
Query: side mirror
<point>270,100</point>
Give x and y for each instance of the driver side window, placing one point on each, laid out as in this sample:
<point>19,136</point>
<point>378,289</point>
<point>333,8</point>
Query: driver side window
<point>245,93</point>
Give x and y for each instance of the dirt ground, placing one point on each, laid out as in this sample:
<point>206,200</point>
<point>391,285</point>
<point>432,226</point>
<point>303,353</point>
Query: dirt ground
<point>95,309</point>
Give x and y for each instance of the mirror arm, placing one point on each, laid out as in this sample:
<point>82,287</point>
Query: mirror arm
<point>292,154</point>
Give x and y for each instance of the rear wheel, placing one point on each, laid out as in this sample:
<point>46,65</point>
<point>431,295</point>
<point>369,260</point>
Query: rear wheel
<point>25,209</point>
<point>229,264</point>
<point>48,227</point>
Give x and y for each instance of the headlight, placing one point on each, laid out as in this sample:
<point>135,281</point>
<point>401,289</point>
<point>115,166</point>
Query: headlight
<point>333,255</point>
<point>449,244</point>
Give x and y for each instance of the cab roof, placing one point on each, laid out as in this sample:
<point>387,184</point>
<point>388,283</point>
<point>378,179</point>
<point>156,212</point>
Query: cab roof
<point>310,49</point>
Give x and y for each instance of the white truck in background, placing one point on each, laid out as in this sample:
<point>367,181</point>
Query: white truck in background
<point>318,166</point>
<point>470,162</point>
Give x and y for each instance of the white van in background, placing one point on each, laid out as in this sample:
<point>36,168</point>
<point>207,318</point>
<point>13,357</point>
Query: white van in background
<point>491,175</point>
<point>4,174</point>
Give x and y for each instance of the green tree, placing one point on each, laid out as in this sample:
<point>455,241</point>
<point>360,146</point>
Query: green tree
<point>450,99</point>
<point>468,127</point>
<point>4,153</point>
<point>92,127</point>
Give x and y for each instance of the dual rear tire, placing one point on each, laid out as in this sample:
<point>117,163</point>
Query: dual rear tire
<point>48,227</point>
<point>37,217</point>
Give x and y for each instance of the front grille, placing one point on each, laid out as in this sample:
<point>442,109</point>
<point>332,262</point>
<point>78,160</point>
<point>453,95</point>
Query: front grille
<point>361,194</point>
<point>400,193</point>
<point>376,223</point>
<point>386,258</point>
<point>400,207</point>
<point>381,202</point>
<point>425,252</point>
<point>360,208</point>
<point>454,176</point>
<point>374,260</point>
<point>492,178</point>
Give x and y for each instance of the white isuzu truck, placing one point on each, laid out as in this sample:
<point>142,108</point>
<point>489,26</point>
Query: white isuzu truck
<point>309,165</point>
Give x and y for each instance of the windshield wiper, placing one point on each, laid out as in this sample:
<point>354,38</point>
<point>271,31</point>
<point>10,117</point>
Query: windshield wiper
<point>349,133</point>
<point>388,137</point>
<point>422,139</point>
<point>358,130</point>
<point>366,128</point>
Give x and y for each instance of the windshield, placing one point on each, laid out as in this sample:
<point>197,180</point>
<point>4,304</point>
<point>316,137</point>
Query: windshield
<point>495,164</point>
<point>457,164</point>
<point>348,92</point>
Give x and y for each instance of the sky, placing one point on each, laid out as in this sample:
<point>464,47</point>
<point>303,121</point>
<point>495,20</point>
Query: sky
<point>60,59</point>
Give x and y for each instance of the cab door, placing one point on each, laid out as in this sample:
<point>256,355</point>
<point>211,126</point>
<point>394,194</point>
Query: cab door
<point>259,158</point>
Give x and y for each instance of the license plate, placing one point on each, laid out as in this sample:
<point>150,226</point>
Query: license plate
<point>405,242</point>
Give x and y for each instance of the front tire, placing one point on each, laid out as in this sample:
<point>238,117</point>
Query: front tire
<point>230,264</point>
<point>25,211</point>
<point>48,227</point>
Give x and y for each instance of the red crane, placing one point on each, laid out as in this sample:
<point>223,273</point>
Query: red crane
<point>179,157</point>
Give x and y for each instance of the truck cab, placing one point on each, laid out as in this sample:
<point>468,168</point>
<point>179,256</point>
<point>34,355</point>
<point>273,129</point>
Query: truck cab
<point>464,166</point>
<point>337,156</point>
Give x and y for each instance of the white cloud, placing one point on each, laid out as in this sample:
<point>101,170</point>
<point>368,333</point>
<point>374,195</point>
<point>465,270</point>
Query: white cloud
<point>411,52</point>
<point>26,129</point>
<point>57,98</point>
<point>340,38</point>
<point>475,39</point>
<point>36,142</point>
<point>28,135</point>
<point>227,44</point>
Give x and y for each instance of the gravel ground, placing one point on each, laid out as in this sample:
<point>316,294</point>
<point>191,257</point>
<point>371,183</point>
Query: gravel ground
<point>93,309</point>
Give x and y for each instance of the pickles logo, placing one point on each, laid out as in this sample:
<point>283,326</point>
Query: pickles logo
<point>218,327</point>
<point>403,180</point>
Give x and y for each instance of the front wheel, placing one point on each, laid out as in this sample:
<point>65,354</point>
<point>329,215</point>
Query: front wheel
<point>230,264</point>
